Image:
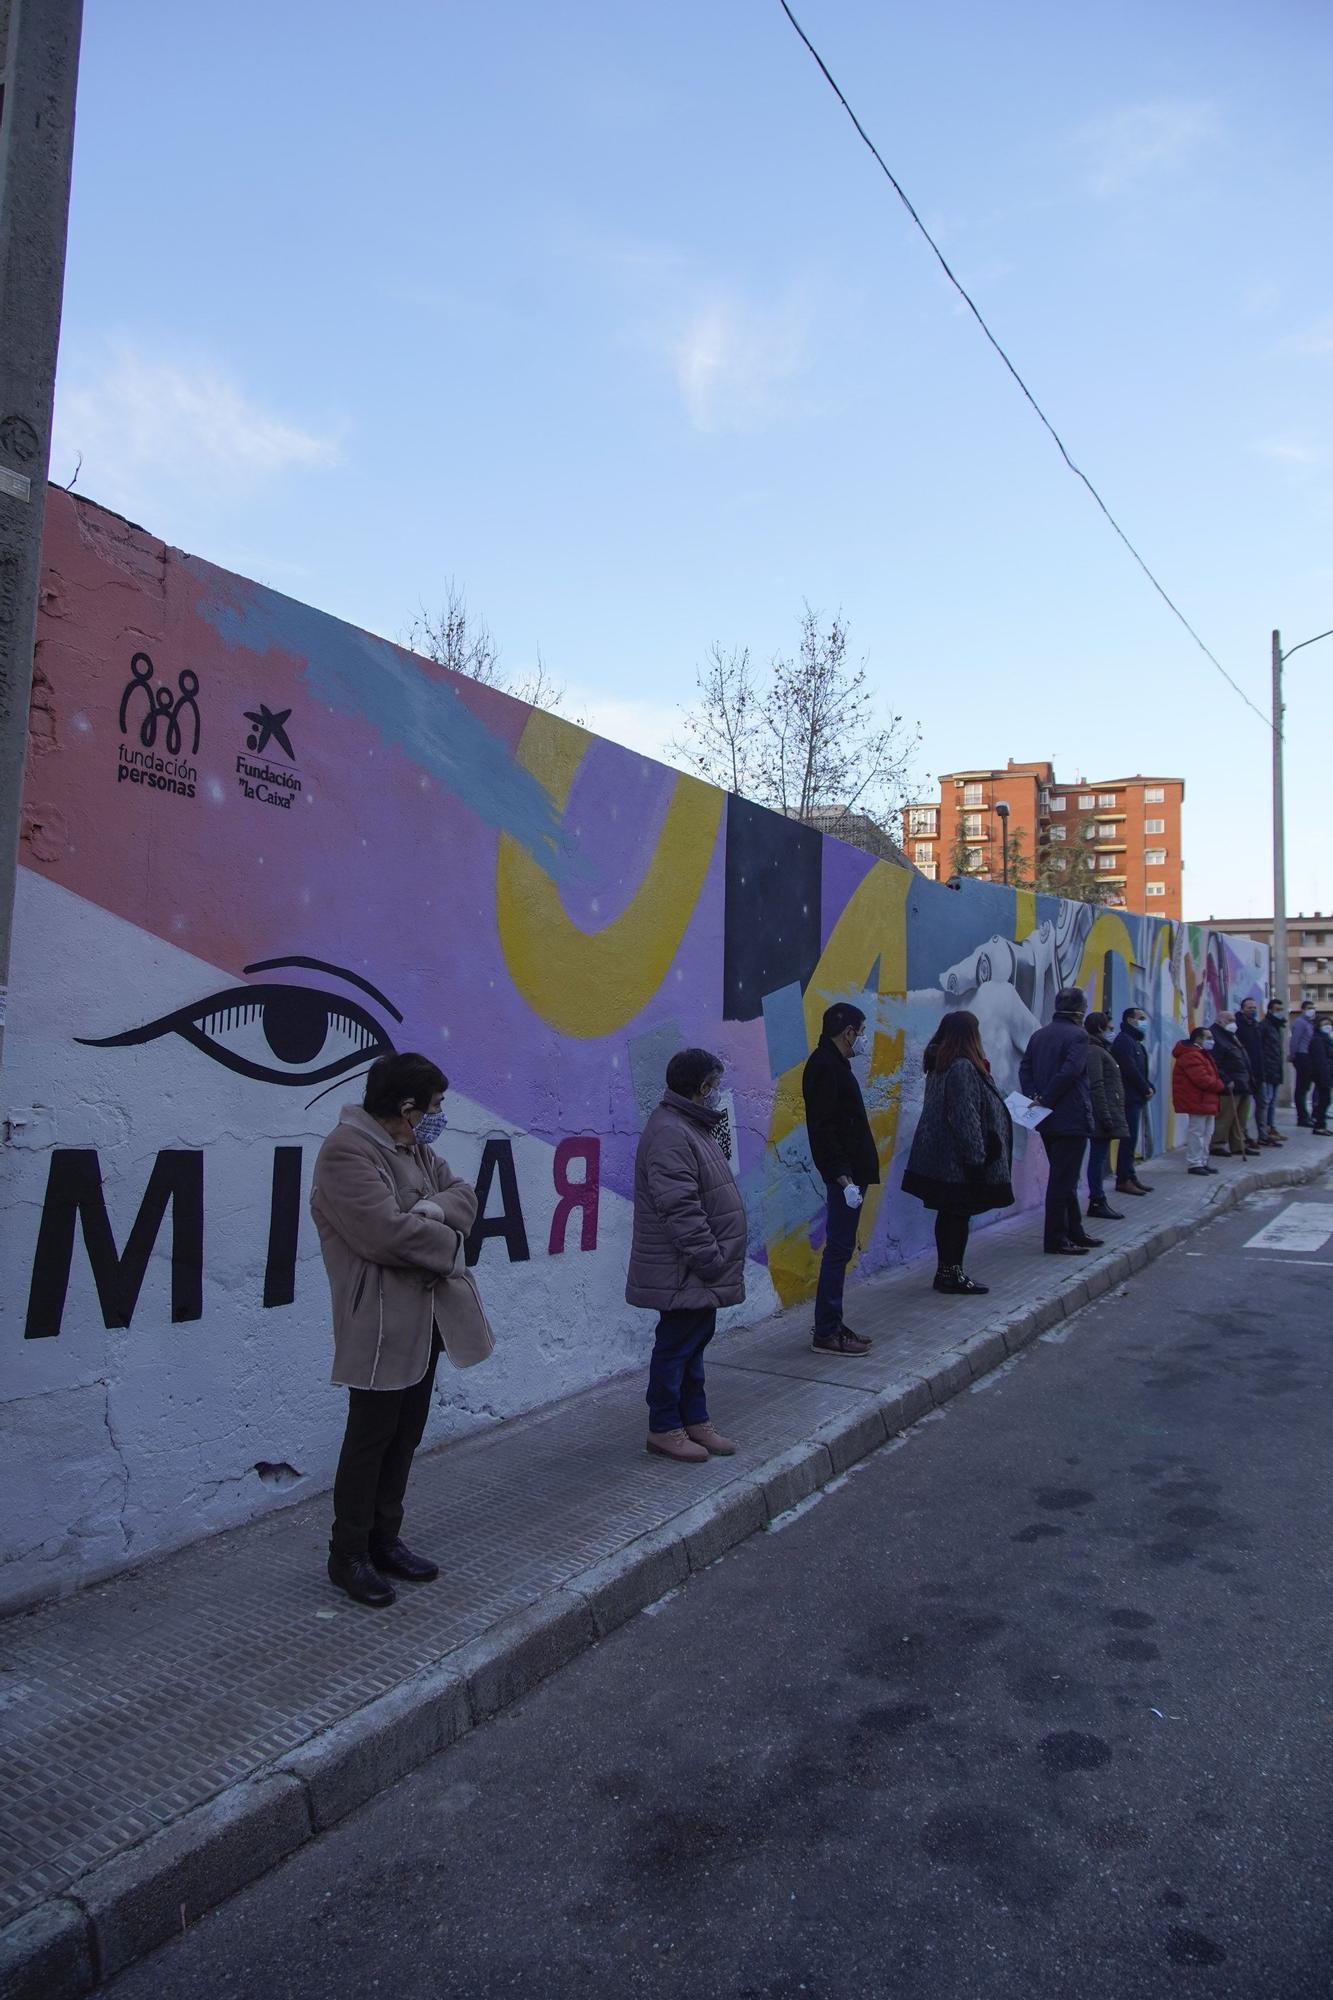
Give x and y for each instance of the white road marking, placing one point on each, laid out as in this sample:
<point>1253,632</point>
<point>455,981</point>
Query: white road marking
<point>1301,1226</point>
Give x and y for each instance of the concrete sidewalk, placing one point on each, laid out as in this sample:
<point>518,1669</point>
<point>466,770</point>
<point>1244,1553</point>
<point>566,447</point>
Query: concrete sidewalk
<point>169,1736</point>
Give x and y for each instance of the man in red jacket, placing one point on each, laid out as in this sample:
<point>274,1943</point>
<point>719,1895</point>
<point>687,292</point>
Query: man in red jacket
<point>1196,1090</point>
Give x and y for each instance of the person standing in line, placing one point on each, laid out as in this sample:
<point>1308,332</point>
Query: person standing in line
<point>846,1158</point>
<point>1054,1073</point>
<point>391,1219</point>
<point>1130,1049</point>
<point>1196,1091</point>
<point>687,1253</point>
<point>1298,1050</point>
<point>1109,1122</point>
<point>962,1150</point>
<point>1321,1076</point>
<point>1272,1038</point>
<point>1233,1113</point>
<point>1247,1034</point>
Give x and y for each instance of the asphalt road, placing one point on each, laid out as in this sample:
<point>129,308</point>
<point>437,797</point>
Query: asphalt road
<point>1033,1704</point>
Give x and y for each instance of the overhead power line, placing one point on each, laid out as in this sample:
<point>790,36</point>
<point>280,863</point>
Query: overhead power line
<point>975,311</point>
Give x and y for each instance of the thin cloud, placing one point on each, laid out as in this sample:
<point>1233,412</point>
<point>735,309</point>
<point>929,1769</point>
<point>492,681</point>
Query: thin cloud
<point>735,361</point>
<point>140,418</point>
<point>1138,141</point>
<point>1315,340</point>
<point>1290,450</point>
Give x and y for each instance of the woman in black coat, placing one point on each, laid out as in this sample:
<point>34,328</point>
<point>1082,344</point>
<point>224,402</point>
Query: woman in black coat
<point>963,1146</point>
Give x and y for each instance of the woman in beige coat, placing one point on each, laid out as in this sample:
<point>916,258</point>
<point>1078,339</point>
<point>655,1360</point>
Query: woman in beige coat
<point>391,1220</point>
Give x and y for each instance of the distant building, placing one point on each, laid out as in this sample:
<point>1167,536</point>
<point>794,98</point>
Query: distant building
<point>1129,829</point>
<point>858,829</point>
<point>1309,951</point>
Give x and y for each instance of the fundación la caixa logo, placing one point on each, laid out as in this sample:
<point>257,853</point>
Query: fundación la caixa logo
<point>259,774</point>
<point>160,719</point>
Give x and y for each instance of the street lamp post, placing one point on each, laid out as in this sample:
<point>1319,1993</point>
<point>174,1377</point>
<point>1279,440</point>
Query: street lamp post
<point>1003,810</point>
<point>1281,972</point>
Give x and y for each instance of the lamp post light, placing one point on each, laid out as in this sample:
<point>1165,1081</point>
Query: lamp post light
<point>1003,810</point>
<point>1280,972</point>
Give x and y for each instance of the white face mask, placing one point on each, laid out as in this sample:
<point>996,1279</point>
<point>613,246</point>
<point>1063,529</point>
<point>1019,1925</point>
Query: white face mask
<point>859,1045</point>
<point>1207,1042</point>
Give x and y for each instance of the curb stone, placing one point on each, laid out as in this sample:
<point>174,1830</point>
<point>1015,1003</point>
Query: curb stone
<point>128,1906</point>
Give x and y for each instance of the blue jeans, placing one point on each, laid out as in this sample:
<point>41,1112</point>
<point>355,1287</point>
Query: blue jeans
<point>1265,1109</point>
<point>839,1243</point>
<point>1099,1153</point>
<point>676,1371</point>
<point>1125,1169</point>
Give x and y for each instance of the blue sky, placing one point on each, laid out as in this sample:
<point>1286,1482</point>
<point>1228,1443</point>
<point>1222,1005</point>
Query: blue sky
<point>604,311</point>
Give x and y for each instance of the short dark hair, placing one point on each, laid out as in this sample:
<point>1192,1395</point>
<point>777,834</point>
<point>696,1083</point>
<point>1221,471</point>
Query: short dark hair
<point>842,1015</point>
<point>392,1078</point>
<point>689,1069</point>
<point>1275,1002</point>
<point>1096,1024</point>
<point>1071,1000</point>
<point>1127,1013</point>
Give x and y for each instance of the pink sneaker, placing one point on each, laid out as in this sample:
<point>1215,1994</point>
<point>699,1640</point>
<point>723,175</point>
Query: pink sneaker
<point>675,1444</point>
<point>711,1439</point>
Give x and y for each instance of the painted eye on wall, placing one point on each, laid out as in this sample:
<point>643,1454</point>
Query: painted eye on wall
<point>273,1033</point>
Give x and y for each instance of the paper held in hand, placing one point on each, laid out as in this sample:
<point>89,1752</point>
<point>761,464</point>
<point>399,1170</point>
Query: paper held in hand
<point>1024,1112</point>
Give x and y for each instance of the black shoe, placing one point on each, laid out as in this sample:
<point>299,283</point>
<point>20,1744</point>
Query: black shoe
<point>953,1278</point>
<point>358,1576</point>
<point>1200,1170</point>
<point>1104,1209</point>
<point>1089,1242</point>
<point>398,1560</point>
<point>1066,1249</point>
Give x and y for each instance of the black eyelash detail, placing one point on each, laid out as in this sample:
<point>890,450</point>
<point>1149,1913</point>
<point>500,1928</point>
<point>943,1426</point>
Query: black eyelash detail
<point>239,1007</point>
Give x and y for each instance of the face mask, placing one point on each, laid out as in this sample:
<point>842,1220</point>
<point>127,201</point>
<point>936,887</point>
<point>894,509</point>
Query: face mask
<point>713,1098</point>
<point>1207,1042</point>
<point>1227,1027</point>
<point>859,1045</point>
<point>1278,1014</point>
<point>429,1127</point>
<point>1308,1013</point>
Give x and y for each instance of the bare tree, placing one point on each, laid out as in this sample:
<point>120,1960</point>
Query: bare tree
<point>454,638</point>
<point>721,741</point>
<point>811,742</point>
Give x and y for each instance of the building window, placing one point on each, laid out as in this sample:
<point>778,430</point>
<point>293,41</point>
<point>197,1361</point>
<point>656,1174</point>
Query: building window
<point>971,826</point>
<point>1105,829</point>
<point>974,857</point>
<point>1155,857</point>
<point>1106,861</point>
<point>1154,826</point>
<point>925,850</point>
<point>928,870</point>
<point>924,819</point>
<point>1155,888</point>
<point>1106,800</point>
<point>1059,861</point>
<point>1058,805</point>
<point>1087,801</point>
<point>1154,795</point>
<point>1059,833</point>
<point>972,795</point>
<point>1088,830</point>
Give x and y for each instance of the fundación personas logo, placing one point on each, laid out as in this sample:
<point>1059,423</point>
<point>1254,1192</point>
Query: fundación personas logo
<point>161,721</point>
<point>260,774</point>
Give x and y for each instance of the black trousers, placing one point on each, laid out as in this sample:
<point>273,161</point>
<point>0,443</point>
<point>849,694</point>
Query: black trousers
<point>951,1233</point>
<point>1301,1094</point>
<point>1064,1218</point>
<point>384,1428</point>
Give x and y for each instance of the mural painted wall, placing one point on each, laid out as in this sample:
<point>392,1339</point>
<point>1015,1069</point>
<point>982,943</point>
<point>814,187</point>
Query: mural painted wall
<point>259,848</point>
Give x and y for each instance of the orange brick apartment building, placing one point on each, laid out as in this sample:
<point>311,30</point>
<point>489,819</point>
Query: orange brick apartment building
<point>1129,826</point>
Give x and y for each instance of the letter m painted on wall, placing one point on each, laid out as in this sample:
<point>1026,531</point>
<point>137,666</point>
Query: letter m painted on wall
<point>74,1196</point>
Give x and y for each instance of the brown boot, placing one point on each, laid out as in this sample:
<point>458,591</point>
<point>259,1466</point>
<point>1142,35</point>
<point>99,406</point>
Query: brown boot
<point>675,1444</point>
<point>711,1439</point>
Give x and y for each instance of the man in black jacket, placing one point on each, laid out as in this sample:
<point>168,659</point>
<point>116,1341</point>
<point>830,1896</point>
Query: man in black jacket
<point>843,1149</point>
<point>1247,1034</point>
<point>1054,1072</point>
<point>1229,1134</point>
<point>1130,1050</point>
